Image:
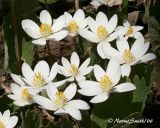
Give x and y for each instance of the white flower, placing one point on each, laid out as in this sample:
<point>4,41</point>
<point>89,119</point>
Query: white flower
<point>78,21</point>
<point>6,121</point>
<point>73,70</point>
<point>130,31</point>
<point>101,30</point>
<point>106,83</point>
<point>41,75</point>
<point>129,56</point>
<point>22,94</point>
<point>47,30</point>
<point>61,102</point>
<point>110,3</point>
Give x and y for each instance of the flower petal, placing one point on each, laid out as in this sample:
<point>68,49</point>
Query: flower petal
<point>65,63</point>
<point>80,78</point>
<point>42,67</point>
<point>75,113</point>
<point>125,70</point>
<point>15,88</point>
<point>98,72</point>
<point>112,23</point>
<point>79,16</point>
<point>44,102</point>
<point>92,24</point>
<point>75,59</point>
<point>90,91</point>
<point>6,116</point>
<point>17,79</point>
<point>86,71</point>
<point>70,91</point>
<point>58,24</point>
<point>40,41</point>
<point>12,122</point>
<point>88,84</point>
<point>58,35</point>
<point>79,104</point>
<point>53,72</point>
<point>68,17</point>
<point>59,83</point>
<point>45,17</point>
<point>101,19</point>
<point>124,87</point>
<point>64,71</point>
<point>60,112</point>
<point>148,57</point>
<point>114,71</point>
<point>51,90</point>
<point>100,98</point>
<point>33,33</point>
<point>89,35</point>
<point>122,44</point>
<point>85,64</point>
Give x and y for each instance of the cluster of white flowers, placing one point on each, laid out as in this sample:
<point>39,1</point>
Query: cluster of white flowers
<point>28,88</point>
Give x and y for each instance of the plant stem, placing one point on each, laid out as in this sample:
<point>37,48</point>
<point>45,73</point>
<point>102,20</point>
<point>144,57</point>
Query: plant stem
<point>76,4</point>
<point>17,50</point>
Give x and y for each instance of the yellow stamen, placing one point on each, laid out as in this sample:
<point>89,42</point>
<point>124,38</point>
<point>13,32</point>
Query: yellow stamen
<point>25,94</point>
<point>102,32</point>
<point>2,125</point>
<point>130,31</point>
<point>39,80</point>
<point>45,29</point>
<point>73,26</point>
<point>128,56</point>
<point>105,83</point>
<point>74,70</point>
<point>60,100</point>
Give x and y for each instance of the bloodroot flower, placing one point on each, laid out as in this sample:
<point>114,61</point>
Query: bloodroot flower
<point>61,102</point>
<point>106,83</point>
<point>47,30</point>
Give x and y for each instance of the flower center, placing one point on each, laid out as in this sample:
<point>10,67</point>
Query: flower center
<point>130,31</point>
<point>2,125</point>
<point>45,29</point>
<point>128,56</point>
<point>74,70</point>
<point>39,80</point>
<point>25,94</point>
<point>73,26</point>
<point>60,100</point>
<point>105,83</point>
<point>102,32</point>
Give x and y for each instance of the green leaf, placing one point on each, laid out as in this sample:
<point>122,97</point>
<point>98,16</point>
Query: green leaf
<point>141,92</point>
<point>48,1</point>
<point>30,119</point>
<point>98,122</point>
<point>27,52</point>
<point>125,7</point>
<point>86,121</point>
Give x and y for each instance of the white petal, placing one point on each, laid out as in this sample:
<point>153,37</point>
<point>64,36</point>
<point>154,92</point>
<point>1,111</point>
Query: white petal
<point>85,64</point>
<point>79,104</point>
<point>58,35</point>
<point>6,116</point>
<point>12,122</point>
<point>86,71</point>
<point>60,112</point>
<point>114,71</point>
<point>21,103</point>
<point>88,84</point>
<point>65,63</point>
<point>40,41</point>
<point>64,71</point>
<point>89,35</point>
<point>75,59</point>
<point>90,91</point>
<point>45,17</point>
<point>59,24</point>
<point>101,19</point>
<point>100,50</point>
<point>125,70</point>
<point>92,24</point>
<point>15,88</point>
<point>68,17</point>
<point>75,113</point>
<point>79,16</point>
<point>137,28</point>
<point>80,78</point>
<point>100,98</point>
<point>124,87</point>
<point>51,90</point>
<point>31,28</point>
<point>59,83</point>
<point>126,23</point>
<point>53,72</point>
<point>70,91</point>
<point>42,67</point>
<point>17,79</point>
<point>112,23</point>
<point>122,44</point>
<point>44,102</point>
<point>148,57</point>
<point>98,72</point>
